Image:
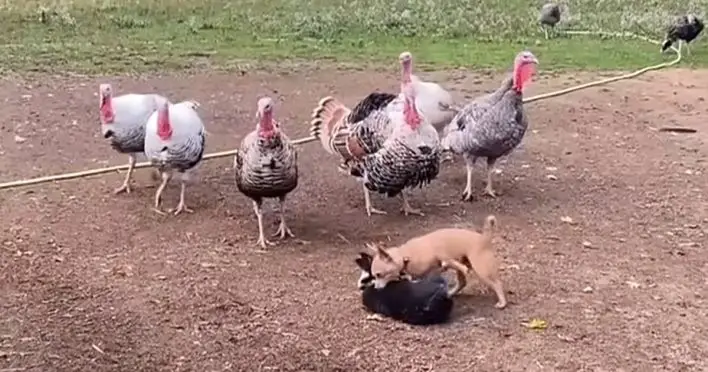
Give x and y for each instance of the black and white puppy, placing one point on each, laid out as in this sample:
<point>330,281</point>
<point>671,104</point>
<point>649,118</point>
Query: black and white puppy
<point>420,302</point>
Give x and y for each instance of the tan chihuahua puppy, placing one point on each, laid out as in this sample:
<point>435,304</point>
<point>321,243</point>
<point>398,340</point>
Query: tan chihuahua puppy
<point>456,249</point>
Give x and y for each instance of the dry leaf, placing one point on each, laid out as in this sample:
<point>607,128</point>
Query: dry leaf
<point>536,324</point>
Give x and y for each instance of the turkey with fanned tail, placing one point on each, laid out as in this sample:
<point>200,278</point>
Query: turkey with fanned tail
<point>392,147</point>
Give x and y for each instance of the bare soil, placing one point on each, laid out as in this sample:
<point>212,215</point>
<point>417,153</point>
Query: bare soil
<point>96,282</point>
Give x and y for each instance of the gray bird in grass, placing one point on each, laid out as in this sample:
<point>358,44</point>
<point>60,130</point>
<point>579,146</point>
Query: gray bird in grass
<point>549,16</point>
<point>684,29</point>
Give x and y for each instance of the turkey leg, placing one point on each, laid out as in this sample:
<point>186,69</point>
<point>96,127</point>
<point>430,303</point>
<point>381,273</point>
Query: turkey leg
<point>283,230</point>
<point>126,184</point>
<point>182,207</point>
<point>407,209</point>
<point>367,203</point>
<point>489,190</point>
<point>158,194</point>
<point>259,215</point>
<point>467,193</point>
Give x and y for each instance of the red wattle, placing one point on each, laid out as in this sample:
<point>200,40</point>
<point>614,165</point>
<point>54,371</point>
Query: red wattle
<point>106,111</point>
<point>164,129</point>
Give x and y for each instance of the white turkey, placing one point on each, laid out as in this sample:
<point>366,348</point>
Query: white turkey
<point>266,167</point>
<point>123,121</point>
<point>174,143</point>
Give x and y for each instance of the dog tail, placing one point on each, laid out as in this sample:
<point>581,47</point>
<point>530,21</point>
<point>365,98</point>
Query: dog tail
<point>490,224</point>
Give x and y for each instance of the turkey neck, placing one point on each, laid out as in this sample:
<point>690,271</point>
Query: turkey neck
<point>522,73</point>
<point>266,129</point>
<point>164,128</point>
<point>106,109</point>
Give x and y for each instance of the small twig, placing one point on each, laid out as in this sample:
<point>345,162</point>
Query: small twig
<point>97,348</point>
<point>340,236</point>
<point>678,130</point>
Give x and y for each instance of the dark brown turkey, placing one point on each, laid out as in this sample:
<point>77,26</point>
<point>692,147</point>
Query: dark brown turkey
<point>266,167</point>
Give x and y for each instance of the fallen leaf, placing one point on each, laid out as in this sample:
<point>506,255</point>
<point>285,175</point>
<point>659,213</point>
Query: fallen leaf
<point>536,324</point>
<point>633,285</point>
<point>568,220</point>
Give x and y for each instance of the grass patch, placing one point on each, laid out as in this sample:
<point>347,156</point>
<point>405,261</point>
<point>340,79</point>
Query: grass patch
<point>94,36</point>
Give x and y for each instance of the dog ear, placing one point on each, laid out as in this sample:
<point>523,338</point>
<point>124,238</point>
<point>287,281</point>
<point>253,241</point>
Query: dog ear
<point>364,261</point>
<point>381,252</point>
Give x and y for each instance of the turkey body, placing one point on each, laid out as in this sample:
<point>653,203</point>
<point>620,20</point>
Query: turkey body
<point>174,142</point>
<point>266,168</point>
<point>123,120</point>
<point>686,29</point>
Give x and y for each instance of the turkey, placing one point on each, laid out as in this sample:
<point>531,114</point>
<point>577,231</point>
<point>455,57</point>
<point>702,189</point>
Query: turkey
<point>684,29</point>
<point>492,126</point>
<point>430,98</point>
<point>123,121</point>
<point>174,142</point>
<point>266,167</point>
<point>357,135</point>
<point>549,16</point>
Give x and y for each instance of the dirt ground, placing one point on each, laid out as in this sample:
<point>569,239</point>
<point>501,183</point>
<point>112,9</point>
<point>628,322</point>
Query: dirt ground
<point>96,282</point>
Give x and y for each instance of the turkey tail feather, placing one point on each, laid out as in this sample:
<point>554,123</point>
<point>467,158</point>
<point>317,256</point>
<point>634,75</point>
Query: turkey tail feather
<point>327,119</point>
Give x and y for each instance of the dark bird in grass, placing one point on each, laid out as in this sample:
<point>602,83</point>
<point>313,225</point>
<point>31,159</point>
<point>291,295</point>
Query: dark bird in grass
<point>684,29</point>
<point>549,16</point>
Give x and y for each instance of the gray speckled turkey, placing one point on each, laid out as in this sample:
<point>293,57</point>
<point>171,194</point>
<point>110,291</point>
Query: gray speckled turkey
<point>492,126</point>
<point>266,167</point>
<point>123,120</point>
<point>549,16</point>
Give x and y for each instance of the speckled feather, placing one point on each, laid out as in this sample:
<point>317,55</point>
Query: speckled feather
<point>373,102</point>
<point>409,158</point>
<point>266,168</point>
<point>186,147</point>
<point>127,132</point>
<point>367,124</point>
<point>489,129</point>
<point>127,139</point>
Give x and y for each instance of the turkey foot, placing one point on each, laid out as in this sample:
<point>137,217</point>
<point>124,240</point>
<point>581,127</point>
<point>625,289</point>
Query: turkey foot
<point>283,231</point>
<point>407,209</point>
<point>126,184</point>
<point>489,191</point>
<point>182,207</point>
<point>124,188</point>
<point>263,242</point>
<point>467,195</point>
<point>367,204</point>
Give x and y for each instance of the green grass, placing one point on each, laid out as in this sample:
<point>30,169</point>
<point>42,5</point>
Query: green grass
<point>151,35</point>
